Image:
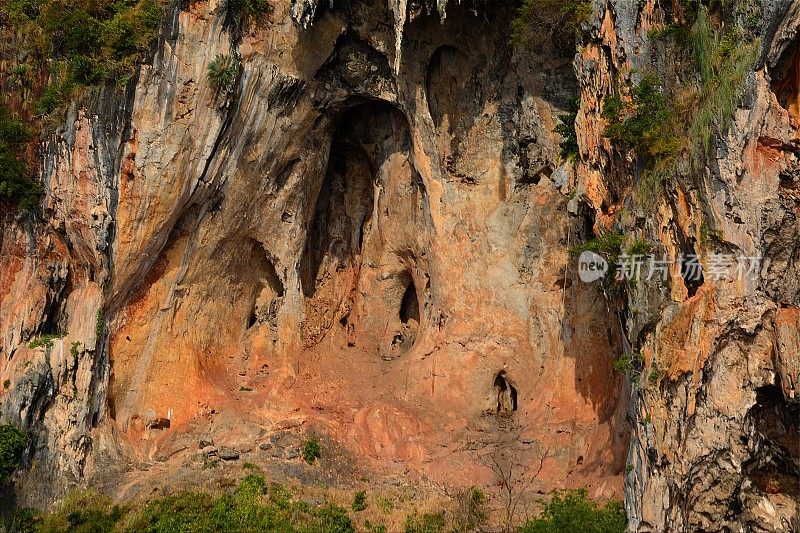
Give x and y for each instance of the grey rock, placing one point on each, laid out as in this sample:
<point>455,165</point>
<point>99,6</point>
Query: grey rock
<point>229,455</point>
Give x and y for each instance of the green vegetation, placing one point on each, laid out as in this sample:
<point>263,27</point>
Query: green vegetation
<point>311,450</point>
<point>647,124</point>
<point>359,501</point>
<point>660,119</point>
<point>628,361</point>
<point>608,244</point>
<point>374,528</point>
<point>250,8</point>
<point>82,510</point>
<point>97,41</point>
<point>569,137</point>
<point>12,443</point>
<point>222,72</point>
<point>45,341</point>
<point>425,523</point>
<point>654,375</point>
<point>723,61</point>
<point>470,510</point>
<point>6,383</point>
<point>386,504</point>
<point>16,185</point>
<point>571,511</point>
<point>250,506</point>
<point>639,247</point>
<point>554,22</point>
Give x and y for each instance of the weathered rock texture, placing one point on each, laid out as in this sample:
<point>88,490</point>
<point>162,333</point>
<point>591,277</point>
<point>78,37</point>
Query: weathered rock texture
<point>370,234</point>
<point>715,433</point>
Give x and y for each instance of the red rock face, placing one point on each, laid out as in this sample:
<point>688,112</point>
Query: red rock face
<point>370,242</point>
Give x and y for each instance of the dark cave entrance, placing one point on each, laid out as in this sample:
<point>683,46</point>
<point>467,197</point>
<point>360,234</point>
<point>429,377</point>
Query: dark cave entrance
<point>774,466</point>
<point>506,394</point>
<point>269,290</point>
<point>409,305</point>
<point>409,315</point>
<point>364,137</point>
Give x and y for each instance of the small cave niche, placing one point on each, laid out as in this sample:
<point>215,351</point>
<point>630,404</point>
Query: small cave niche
<point>775,463</point>
<point>268,292</point>
<point>409,306</point>
<point>446,86</point>
<point>692,273</point>
<point>785,75</point>
<point>409,315</point>
<point>506,394</point>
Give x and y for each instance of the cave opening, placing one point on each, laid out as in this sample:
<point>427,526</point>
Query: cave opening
<point>785,74</point>
<point>409,305</point>
<point>506,394</point>
<point>269,289</point>
<point>774,466</point>
<point>363,139</point>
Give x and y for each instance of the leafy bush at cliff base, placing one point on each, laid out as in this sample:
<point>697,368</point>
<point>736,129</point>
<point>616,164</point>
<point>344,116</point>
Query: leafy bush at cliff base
<point>82,510</point>
<point>571,511</point>
<point>554,22</point>
<point>251,506</point>
<point>12,443</point>
<point>16,185</point>
<point>425,523</point>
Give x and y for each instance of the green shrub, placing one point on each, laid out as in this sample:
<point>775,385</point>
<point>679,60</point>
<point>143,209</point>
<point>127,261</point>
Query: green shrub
<point>186,511</point>
<point>6,383</point>
<point>723,61</point>
<point>250,8</point>
<point>222,72</point>
<point>359,501</point>
<point>628,361</point>
<point>12,443</point>
<point>554,22</point>
<point>572,511</point>
<point>374,528</point>
<point>425,523</point>
<point>647,124</point>
<point>311,450</point>
<point>45,341</point>
<point>82,511</point>
<point>98,41</point>
<point>569,137</point>
<point>469,512</point>
<point>21,520</point>
<point>250,506</point>
<point>609,244</point>
<point>638,247</point>
<point>16,185</point>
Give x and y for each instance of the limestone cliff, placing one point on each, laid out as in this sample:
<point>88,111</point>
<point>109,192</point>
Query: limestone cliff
<point>368,233</point>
